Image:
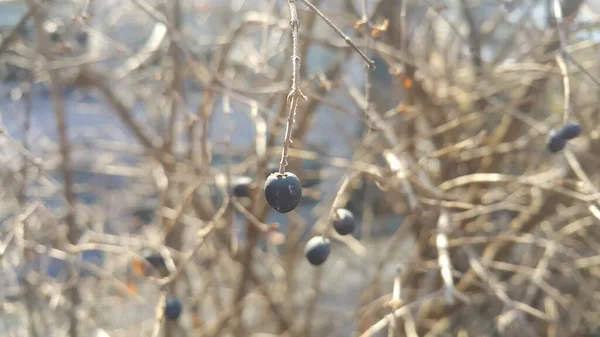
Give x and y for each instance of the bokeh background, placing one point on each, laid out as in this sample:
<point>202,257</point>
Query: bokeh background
<point>124,125</point>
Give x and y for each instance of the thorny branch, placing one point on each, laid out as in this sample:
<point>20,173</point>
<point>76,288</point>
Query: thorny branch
<point>295,93</point>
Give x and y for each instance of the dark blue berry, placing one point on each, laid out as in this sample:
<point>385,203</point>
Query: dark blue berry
<point>571,130</point>
<point>55,37</point>
<point>82,38</point>
<point>317,250</point>
<point>343,221</point>
<point>283,191</point>
<point>144,214</point>
<point>155,259</point>
<point>242,187</point>
<point>173,308</point>
<point>556,142</point>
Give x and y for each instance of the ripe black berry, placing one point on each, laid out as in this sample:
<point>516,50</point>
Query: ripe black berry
<point>242,187</point>
<point>155,259</point>
<point>556,142</point>
<point>173,308</point>
<point>283,191</point>
<point>571,130</point>
<point>343,221</point>
<point>317,250</point>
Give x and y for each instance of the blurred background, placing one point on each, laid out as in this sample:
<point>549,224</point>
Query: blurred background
<point>129,128</point>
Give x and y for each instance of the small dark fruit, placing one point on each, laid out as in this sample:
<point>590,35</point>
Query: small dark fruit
<point>571,130</point>
<point>144,214</point>
<point>556,142</point>
<point>82,38</point>
<point>343,221</point>
<point>173,308</point>
<point>283,191</point>
<point>242,187</point>
<point>317,250</point>
<point>154,258</point>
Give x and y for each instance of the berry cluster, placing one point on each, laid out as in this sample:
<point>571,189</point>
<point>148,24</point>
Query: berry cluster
<point>558,139</point>
<point>173,306</point>
<point>283,192</point>
<point>318,248</point>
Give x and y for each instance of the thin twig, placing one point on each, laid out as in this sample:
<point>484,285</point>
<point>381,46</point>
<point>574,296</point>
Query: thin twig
<point>340,199</point>
<point>365,229</point>
<point>368,41</point>
<point>295,93</point>
<point>444,255</point>
<point>396,301</point>
<point>22,197</point>
<point>495,286</point>
<point>370,63</point>
<point>474,39</point>
<point>540,271</point>
<point>560,60</point>
<point>56,91</point>
<point>372,330</point>
<point>6,41</point>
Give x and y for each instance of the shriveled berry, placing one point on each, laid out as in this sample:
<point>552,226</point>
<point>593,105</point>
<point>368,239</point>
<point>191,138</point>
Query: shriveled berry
<point>173,308</point>
<point>556,142</point>
<point>242,187</point>
<point>571,130</point>
<point>317,250</point>
<point>283,191</point>
<point>343,221</point>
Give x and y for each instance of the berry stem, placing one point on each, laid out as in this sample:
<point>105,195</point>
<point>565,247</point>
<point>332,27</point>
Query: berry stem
<point>295,92</point>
